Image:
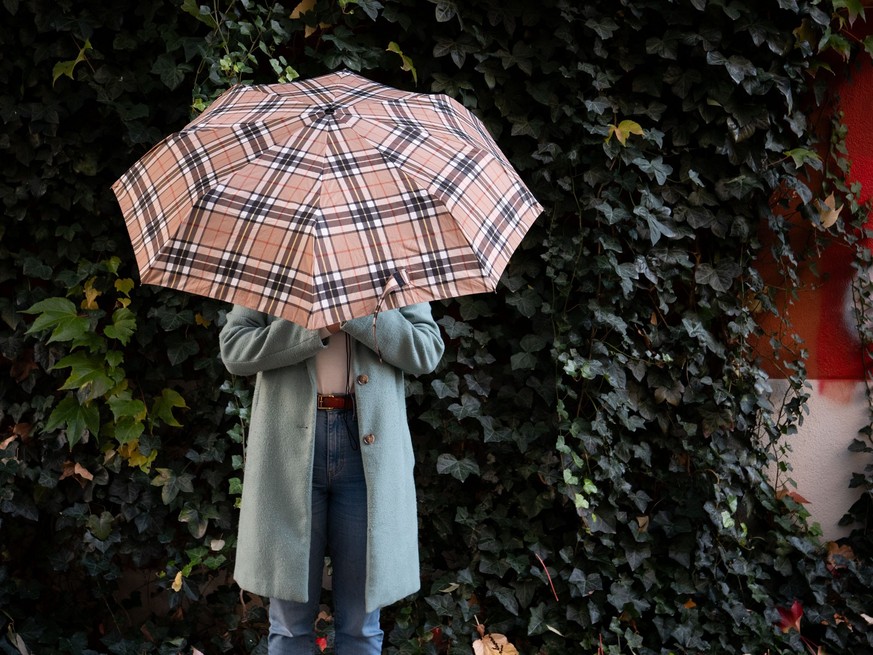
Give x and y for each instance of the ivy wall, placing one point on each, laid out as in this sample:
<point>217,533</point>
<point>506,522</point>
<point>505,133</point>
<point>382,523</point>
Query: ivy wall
<point>591,451</point>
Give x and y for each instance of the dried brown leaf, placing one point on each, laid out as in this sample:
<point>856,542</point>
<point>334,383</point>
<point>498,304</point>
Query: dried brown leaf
<point>494,644</point>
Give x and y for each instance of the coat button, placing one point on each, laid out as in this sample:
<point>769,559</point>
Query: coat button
<point>363,379</point>
<point>369,439</point>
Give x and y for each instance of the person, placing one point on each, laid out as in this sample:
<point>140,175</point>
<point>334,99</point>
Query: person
<point>328,469</point>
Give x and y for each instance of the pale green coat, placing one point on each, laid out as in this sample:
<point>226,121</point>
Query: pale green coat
<point>273,545</point>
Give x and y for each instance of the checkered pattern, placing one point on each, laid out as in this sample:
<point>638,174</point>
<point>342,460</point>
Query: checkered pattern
<point>303,200</point>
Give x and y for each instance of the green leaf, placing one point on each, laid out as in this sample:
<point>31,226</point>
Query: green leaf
<point>454,328</point>
<point>180,349</point>
<point>405,62</point>
<point>172,484</point>
<point>61,317</point>
<point>527,301</point>
<point>200,12</point>
<point>123,325</point>
<point>445,11</point>
<point>171,73</point>
<point>469,406</point>
<point>803,156</point>
<point>67,67</point>
<point>537,623</point>
<point>719,277</point>
<point>447,387</point>
<point>505,595</point>
<point>523,361</point>
<point>76,419</point>
<point>124,405</point>
<point>162,408</point>
<point>457,468</point>
<point>127,428</point>
<point>88,374</point>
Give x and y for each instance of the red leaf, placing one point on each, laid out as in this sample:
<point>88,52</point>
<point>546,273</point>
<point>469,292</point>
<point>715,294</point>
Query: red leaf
<point>790,618</point>
<point>321,642</point>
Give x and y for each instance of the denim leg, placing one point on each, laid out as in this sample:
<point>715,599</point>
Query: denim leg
<point>357,632</point>
<point>292,625</point>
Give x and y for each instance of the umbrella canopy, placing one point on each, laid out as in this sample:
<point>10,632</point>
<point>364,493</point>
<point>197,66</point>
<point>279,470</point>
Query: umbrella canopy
<point>312,200</point>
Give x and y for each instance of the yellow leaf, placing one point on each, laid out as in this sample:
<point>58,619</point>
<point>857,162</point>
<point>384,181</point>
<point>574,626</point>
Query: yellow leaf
<point>199,320</point>
<point>177,582</point>
<point>124,285</point>
<point>91,295</point>
<point>130,452</point>
<point>301,8</point>
<point>623,130</point>
<point>406,62</point>
<point>67,67</point>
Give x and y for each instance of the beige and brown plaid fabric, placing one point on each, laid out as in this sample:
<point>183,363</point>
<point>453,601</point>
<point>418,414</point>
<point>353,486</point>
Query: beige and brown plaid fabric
<point>303,200</point>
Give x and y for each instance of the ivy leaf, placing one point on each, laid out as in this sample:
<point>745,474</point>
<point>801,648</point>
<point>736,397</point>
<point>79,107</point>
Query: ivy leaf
<point>469,406</point>
<point>604,27</point>
<point>654,168</point>
<point>802,156</point>
<point>855,8</point>
<point>447,387</point>
<point>445,11</point>
<point>88,374</point>
<point>172,483</point>
<point>527,302</point>
<point>457,468</point>
<point>523,361</point>
<point>657,229</point>
<point>370,7</point>
<point>123,325</point>
<point>67,67</point>
<point>827,211</point>
<point>200,12</point>
<point>171,73</point>
<point>406,62</point>
<point>162,408</point>
<point>623,130</point>
<point>585,585</point>
<point>76,419</point>
<point>505,595</point>
<point>537,623</point>
<point>61,317</point>
<point>454,328</point>
<point>719,277</point>
<point>127,429</point>
<point>180,349</point>
<point>123,405</point>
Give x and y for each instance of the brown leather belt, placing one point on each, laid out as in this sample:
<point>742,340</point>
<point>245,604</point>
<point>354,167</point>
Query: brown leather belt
<point>330,401</point>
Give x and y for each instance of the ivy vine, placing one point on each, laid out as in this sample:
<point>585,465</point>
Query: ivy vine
<point>592,451</point>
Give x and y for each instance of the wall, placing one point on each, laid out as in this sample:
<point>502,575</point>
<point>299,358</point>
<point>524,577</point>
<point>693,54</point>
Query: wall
<point>825,319</point>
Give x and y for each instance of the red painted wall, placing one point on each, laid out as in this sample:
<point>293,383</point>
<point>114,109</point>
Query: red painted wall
<point>823,313</point>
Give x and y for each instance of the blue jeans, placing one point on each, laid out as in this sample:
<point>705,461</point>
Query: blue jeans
<point>339,528</point>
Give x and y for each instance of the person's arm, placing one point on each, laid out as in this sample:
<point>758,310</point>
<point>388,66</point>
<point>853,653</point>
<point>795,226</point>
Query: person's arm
<point>407,338</point>
<point>251,342</point>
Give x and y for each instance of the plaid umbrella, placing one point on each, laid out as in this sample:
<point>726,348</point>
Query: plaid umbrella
<point>326,199</point>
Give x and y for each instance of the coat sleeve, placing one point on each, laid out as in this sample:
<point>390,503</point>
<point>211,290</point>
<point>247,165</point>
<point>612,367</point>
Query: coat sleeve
<point>252,342</point>
<point>407,338</point>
